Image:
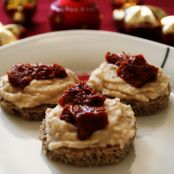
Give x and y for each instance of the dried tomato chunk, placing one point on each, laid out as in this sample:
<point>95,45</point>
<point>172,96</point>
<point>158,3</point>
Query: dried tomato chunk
<point>84,108</point>
<point>85,118</point>
<point>116,59</point>
<point>21,75</point>
<point>133,69</point>
<point>81,93</point>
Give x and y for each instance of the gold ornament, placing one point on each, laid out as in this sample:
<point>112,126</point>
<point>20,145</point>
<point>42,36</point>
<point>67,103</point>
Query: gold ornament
<point>1,25</point>
<point>139,16</point>
<point>168,30</point>
<point>20,11</point>
<point>18,30</point>
<point>6,36</point>
<point>168,25</point>
<point>140,20</point>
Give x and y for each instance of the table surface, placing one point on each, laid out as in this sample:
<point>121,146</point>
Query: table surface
<point>41,24</point>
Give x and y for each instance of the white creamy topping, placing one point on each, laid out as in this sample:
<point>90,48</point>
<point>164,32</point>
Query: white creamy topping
<point>168,24</point>
<point>139,16</point>
<point>38,92</point>
<point>121,128</point>
<point>105,80</point>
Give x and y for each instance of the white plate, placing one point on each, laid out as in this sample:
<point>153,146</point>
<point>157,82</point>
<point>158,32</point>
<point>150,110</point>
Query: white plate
<point>82,51</point>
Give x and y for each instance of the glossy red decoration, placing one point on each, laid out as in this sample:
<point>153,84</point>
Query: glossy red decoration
<point>84,108</point>
<point>20,75</point>
<point>135,70</point>
<point>74,14</point>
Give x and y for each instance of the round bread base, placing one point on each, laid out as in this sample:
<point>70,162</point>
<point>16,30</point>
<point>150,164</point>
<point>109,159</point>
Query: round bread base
<point>87,157</point>
<point>31,114</point>
<point>148,108</point>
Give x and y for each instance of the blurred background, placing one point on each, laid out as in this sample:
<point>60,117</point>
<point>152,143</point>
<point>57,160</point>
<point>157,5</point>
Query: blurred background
<point>40,23</point>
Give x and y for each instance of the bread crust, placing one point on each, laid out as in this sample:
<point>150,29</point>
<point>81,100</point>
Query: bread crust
<point>148,108</point>
<point>31,114</point>
<point>87,157</point>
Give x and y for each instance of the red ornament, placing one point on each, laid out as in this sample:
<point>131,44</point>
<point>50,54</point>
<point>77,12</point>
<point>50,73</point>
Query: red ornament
<point>74,14</point>
<point>20,11</point>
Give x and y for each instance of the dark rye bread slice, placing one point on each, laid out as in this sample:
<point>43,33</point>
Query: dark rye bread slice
<point>87,157</point>
<point>148,108</point>
<point>31,114</point>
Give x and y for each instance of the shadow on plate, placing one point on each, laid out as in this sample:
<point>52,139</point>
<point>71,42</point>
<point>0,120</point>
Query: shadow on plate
<point>18,127</point>
<point>147,125</point>
<point>124,167</point>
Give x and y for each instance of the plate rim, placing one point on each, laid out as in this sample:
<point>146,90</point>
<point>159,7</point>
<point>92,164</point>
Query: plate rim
<point>81,32</point>
<point>54,34</point>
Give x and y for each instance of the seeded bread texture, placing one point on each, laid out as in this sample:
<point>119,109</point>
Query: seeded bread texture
<point>30,114</point>
<point>87,157</point>
<point>148,108</point>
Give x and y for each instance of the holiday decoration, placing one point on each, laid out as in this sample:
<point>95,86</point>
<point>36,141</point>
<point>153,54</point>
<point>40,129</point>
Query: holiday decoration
<point>11,32</point>
<point>18,30</point>
<point>140,20</point>
<point>168,30</point>
<point>20,11</point>
<point>74,14</point>
<point>6,36</point>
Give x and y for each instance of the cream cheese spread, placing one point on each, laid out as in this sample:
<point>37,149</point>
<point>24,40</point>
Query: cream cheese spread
<point>38,92</point>
<point>105,80</point>
<point>121,128</point>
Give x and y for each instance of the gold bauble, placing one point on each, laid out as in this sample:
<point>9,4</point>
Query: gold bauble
<point>6,37</point>
<point>18,30</point>
<point>20,11</point>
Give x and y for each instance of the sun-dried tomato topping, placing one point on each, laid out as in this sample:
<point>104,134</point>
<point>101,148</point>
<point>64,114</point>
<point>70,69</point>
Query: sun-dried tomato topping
<point>87,119</point>
<point>82,94</point>
<point>20,75</point>
<point>83,107</point>
<point>133,69</point>
<point>116,58</point>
